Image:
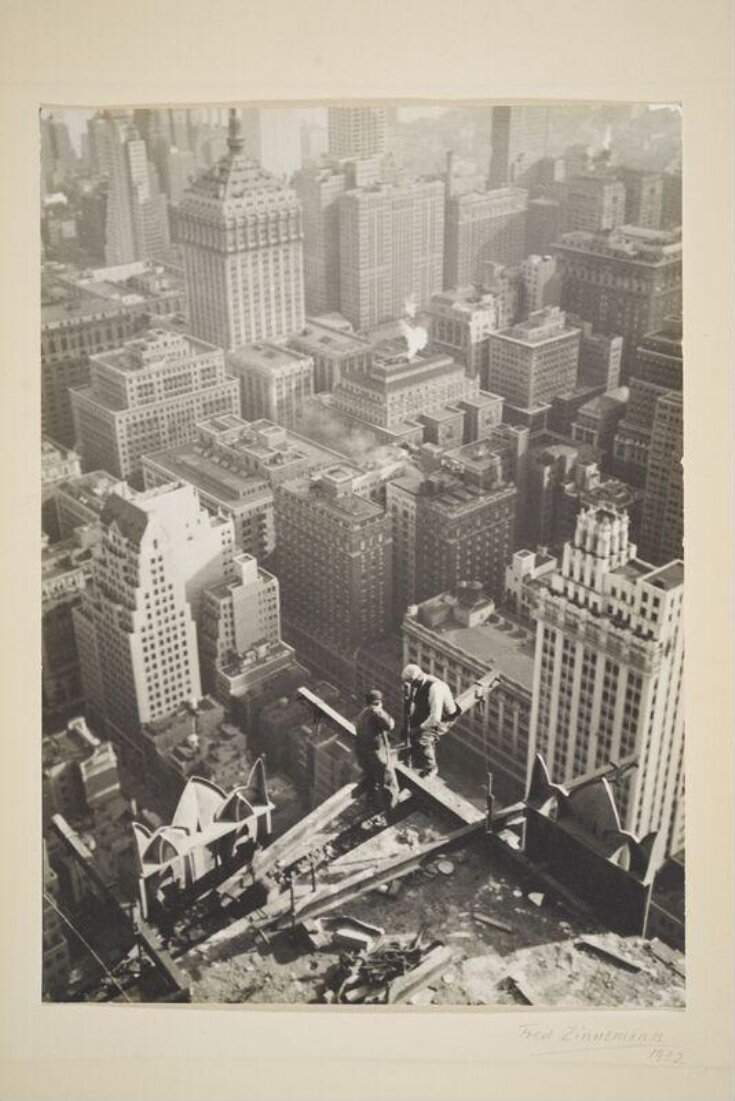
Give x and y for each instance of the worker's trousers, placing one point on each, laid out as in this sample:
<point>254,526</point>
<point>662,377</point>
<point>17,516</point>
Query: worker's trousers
<point>423,750</point>
<point>380,783</point>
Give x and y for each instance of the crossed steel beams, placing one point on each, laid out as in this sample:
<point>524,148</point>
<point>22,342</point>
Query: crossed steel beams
<point>293,895</point>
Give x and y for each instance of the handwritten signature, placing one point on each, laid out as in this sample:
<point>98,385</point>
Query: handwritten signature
<point>659,1050</point>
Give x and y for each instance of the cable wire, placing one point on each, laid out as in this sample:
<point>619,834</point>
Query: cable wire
<point>67,921</point>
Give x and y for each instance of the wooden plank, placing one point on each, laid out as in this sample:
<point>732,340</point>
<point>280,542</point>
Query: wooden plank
<point>322,901</point>
<point>608,954</point>
<point>493,923</point>
<point>667,955</point>
<point>405,986</point>
<point>293,843</point>
<point>520,985</point>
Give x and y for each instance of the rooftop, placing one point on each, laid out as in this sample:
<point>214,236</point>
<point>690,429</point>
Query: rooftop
<point>322,337</point>
<point>493,196</point>
<point>77,307</point>
<point>501,642</point>
<point>667,577</point>
<point>465,299</point>
<point>155,347</point>
<point>628,243</point>
<point>90,489</point>
<point>265,358</point>
<point>402,375</point>
<point>345,505</point>
<point>542,326</point>
<point>212,474</point>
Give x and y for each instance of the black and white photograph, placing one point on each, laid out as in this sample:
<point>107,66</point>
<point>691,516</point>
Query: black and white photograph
<point>363,554</point>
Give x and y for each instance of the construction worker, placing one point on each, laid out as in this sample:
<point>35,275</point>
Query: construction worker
<point>431,709</point>
<point>374,753</point>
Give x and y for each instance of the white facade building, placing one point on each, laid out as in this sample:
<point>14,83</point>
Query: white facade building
<point>241,235</point>
<point>136,628</point>
<point>149,395</point>
<point>608,673</point>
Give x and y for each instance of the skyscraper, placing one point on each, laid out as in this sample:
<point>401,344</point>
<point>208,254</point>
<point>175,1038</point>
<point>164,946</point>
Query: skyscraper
<point>608,673</point>
<point>137,215</point>
<point>136,628</point>
<point>460,322</point>
<point>541,283</point>
<point>357,132</point>
<point>519,141</point>
<point>625,282</point>
<point>147,395</point>
<point>319,188</point>
<point>273,138</point>
<point>483,227</point>
<point>334,347</point>
<point>670,200</point>
<point>662,522</point>
<point>544,224</point>
<point>391,246</point>
<point>241,646</point>
<point>395,392</point>
<point>448,529</point>
<point>74,324</point>
<point>532,362</point>
<point>242,241</point>
<point>595,203</point>
<point>657,371</point>
<point>334,566</point>
<point>58,158</point>
<point>275,382</point>
<point>643,197</point>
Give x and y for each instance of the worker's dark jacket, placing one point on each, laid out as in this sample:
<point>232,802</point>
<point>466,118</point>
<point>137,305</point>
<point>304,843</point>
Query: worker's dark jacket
<point>373,725</point>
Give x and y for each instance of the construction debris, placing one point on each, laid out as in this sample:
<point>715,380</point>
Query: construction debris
<point>518,985</point>
<point>445,867</point>
<point>511,839</point>
<point>493,923</point>
<point>667,955</point>
<point>536,897</point>
<point>404,987</point>
<point>389,973</point>
<point>607,953</point>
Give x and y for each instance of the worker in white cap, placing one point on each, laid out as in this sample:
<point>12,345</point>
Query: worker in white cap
<point>374,754</point>
<point>431,709</point>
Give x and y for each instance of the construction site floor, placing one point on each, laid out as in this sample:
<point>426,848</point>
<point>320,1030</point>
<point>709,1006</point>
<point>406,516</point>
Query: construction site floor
<point>540,955</point>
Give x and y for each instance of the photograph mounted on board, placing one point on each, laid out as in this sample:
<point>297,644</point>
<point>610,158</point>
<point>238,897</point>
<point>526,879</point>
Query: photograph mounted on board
<point>362,563</point>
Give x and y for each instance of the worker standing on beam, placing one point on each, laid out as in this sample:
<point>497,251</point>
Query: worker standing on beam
<point>374,754</point>
<point>432,708</point>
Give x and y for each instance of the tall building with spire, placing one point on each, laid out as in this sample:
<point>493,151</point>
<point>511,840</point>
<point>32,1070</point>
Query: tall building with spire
<point>240,231</point>
<point>608,673</point>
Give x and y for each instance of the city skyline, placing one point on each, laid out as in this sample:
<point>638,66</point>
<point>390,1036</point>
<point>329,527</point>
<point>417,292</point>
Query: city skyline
<point>326,391</point>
